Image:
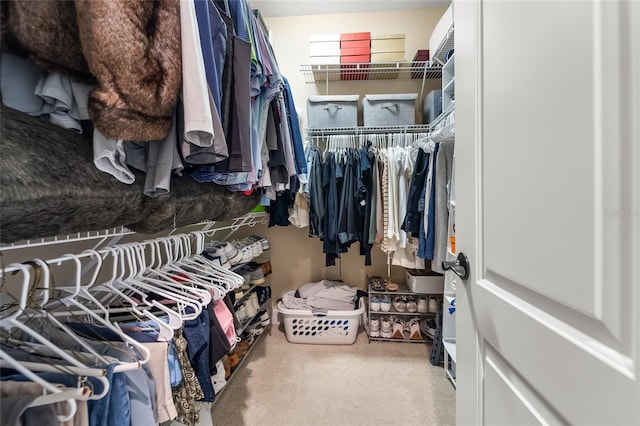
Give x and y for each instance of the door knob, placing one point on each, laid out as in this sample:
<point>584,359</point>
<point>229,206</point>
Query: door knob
<point>460,266</point>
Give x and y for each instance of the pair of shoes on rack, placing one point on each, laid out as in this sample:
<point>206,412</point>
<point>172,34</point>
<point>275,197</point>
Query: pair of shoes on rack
<point>405,304</point>
<point>378,304</point>
<point>378,284</point>
<point>407,330</point>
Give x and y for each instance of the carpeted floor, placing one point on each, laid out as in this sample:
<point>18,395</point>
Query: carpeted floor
<point>377,383</point>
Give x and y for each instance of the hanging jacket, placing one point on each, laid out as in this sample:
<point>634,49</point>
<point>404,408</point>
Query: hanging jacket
<point>132,49</point>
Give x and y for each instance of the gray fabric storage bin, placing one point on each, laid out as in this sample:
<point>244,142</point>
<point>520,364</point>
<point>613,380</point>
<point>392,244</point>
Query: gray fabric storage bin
<point>432,106</point>
<point>332,111</point>
<point>389,110</point>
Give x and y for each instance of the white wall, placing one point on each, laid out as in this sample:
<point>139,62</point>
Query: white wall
<point>290,40</point>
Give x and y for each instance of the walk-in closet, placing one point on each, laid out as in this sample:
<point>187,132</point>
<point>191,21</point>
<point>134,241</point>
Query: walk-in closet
<point>270,212</point>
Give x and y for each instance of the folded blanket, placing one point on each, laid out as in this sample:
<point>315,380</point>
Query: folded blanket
<point>322,295</point>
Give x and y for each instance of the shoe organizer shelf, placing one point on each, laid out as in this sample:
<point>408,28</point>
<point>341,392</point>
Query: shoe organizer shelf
<point>253,313</point>
<point>389,314</point>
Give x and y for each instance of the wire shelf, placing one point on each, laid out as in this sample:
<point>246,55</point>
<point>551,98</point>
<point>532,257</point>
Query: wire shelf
<point>361,130</point>
<point>416,70</point>
<point>445,45</point>
<point>111,236</point>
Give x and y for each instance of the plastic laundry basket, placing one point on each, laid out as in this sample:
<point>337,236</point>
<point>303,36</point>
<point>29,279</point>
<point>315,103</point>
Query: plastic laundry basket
<point>321,327</point>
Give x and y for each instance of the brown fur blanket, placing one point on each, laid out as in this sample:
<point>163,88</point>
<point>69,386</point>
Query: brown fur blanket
<point>131,48</point>
<point>49,186</point>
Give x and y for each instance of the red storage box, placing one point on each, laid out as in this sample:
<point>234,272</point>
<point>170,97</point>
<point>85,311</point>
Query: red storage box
<point>355,51</point>
<point>354,36</point>
<point>422,55</point>
<point>355,72</point>
<point>352,44</point>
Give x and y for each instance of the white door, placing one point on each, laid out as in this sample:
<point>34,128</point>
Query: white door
<point>548,211</point>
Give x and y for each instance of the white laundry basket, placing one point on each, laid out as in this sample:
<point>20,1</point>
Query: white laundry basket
<point>322,327</point>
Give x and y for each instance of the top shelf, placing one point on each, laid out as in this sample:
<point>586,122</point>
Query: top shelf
<point>416,70</point>
<point>446,44</point>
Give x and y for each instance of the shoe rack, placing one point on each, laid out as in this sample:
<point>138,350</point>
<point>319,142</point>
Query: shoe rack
<point>248,322</point>
<point>381,307</point>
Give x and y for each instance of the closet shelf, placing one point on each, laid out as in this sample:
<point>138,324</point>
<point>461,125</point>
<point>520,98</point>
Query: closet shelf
<point>416,70</point>
<point>446,44</point>
<point>361,130</point>
<point>110,237</point>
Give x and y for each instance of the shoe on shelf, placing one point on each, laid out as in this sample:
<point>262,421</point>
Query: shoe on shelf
<point>264,242</point>
<point>234,256</point>
<point>256,276</point>
<point>241,313</point>
<point>375,304</point>
<point>266,267</point>
<point>265,320</point>
<point>226,362</point>
<point>253,298</point>
<point>386,325</point>
<point>399,304</point>
<point>413,329</point>
<point>433,305</point>
<point>218,379</point>
<point>398,329</point>
<point>385,304</point>
<point>390,285</point>
<point>423,306</point>
<point>376,284</point>
<point>250,310</point>
<point>428,327</point>
<point>256,330</point>
<point>411,304</point>
<point>238,294</point>
<point>264,293</point>
<point>374,327</point>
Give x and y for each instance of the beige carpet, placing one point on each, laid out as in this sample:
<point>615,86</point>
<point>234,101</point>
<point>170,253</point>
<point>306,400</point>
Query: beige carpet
<point>377,383</point>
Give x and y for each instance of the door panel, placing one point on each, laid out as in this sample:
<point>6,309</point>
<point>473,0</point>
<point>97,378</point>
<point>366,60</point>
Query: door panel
<point>548,211</point>
<point>509,400</point>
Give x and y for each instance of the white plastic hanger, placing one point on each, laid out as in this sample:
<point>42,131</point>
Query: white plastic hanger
<point>80,291</point>
<point>57,394</point>
<point>165,329</point>
<point>137,283</point>
<point>75,366</point>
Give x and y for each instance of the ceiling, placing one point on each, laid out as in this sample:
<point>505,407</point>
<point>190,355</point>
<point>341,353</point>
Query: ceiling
<point>273,8</point>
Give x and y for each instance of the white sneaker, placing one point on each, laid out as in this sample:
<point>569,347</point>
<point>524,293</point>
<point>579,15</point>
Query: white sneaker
<point>218,379</point>
<point>375,304</point>
<point>385,304</point>
<point>413,328</point>
<point>374,327</point>
<point>423,307</point>
<point>411,305</point>
<point>241,313</point>
<point>253,298</point>
<point>385,327</point>
<point>399,304</point>
<point>249,309</point>
<point>433,305</point>
<point>398,329</point>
